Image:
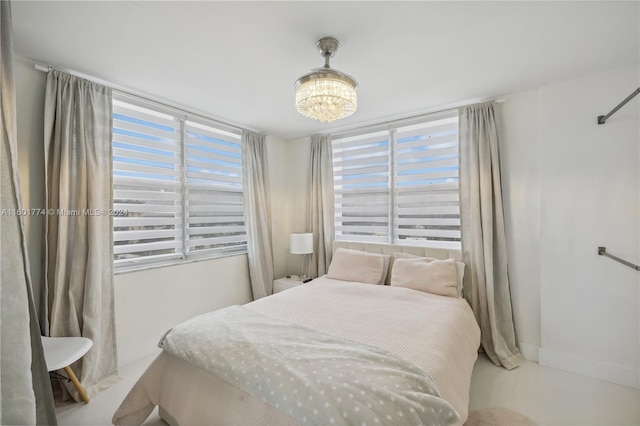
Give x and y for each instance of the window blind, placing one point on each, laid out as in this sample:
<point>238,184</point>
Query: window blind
<point>361,185</point>
<point>426,200</point>
<point>177,185</point>
<point>399,185</point>
<point>146,183</point>
<point>214,190</point>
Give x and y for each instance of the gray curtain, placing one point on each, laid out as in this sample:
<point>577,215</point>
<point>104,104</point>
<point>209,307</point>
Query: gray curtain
<point>320,205</point>
<point>257,212</point>
<point>483,238</point>
<point>25,390</point>
<point>78,237</point>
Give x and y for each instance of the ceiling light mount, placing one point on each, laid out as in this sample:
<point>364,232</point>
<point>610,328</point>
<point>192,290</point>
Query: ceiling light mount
<point>327,47</point>
<point>326,94</point>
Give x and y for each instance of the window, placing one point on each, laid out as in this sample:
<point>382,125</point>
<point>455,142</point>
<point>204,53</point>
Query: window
<point>361,181</point>
<point>399,184</point>
<point>214,189</point>
<point>177,186</point>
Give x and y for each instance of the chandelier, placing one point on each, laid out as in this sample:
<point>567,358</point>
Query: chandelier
<point>326,94</point>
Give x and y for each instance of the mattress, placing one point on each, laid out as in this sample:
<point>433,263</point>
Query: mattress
<point>436,333</point>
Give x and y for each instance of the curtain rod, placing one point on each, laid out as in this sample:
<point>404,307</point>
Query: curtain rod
<point>146,97</point>
<point>363,128</point>
<point>603,118</point>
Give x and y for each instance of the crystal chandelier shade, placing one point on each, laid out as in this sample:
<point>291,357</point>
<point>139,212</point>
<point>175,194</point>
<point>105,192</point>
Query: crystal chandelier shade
<point>326,94</point>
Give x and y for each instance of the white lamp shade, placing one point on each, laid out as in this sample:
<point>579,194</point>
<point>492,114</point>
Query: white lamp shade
<point>301,243</point>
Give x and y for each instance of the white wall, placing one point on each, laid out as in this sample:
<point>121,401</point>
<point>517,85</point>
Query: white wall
<point>280,212</point>
<point>288,174</point>
<point>521,191</point>
<point>147,302</point>
<point>570,186</point>
<point>150,302</point>
<point>298,159</point>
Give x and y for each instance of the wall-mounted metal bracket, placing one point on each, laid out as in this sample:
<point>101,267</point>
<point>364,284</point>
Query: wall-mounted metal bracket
<point>602,251</point>
<point>603,118</point>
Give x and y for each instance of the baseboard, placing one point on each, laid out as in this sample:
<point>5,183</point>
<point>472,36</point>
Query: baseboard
<point>590,368</point>
<point>529,351</point>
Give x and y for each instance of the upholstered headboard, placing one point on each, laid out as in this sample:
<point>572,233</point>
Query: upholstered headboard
<point>437,253</point>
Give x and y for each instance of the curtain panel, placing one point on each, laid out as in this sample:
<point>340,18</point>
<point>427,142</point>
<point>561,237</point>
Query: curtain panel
<point>483,237</point>
<point>257,212</point>
<point>25,389</point>
<point>78,237</point>
<point>320,206</point>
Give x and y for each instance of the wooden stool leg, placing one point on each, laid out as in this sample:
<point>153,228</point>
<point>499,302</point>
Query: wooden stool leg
<point>83,394</point>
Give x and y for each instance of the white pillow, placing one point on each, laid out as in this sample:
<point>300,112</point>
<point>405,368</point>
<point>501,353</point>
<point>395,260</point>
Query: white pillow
<point>436,277</point>
<point>355,265</point>
<point>459,266</point>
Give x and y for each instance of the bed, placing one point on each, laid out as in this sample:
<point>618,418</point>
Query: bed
<point>428,339</point>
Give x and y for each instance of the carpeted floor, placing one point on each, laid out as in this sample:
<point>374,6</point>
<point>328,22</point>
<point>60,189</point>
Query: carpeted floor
<point>497,417</point>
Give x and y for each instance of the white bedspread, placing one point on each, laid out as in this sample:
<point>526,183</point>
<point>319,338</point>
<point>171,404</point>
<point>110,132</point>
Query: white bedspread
<point>436,333</point>
<point>316,378</point>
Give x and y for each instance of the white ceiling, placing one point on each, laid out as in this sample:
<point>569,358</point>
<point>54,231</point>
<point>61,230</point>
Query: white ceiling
<point>238,61</point>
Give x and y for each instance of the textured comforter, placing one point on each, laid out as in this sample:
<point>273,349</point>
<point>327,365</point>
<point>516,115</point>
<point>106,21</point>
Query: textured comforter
<point>437,334</point>
<point>314,377</point>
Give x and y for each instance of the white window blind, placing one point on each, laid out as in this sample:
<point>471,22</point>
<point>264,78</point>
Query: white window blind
<point>214,188</point>
<point>426,200</point>
<point>147,184</point>
<point>177,186</point>
<point>361,179</point>
<point>399,185</point>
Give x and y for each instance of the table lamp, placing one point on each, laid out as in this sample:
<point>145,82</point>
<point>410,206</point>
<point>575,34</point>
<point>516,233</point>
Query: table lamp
<point>302,244</point>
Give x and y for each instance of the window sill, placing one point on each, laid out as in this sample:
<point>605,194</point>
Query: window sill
<point>170,263</point>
